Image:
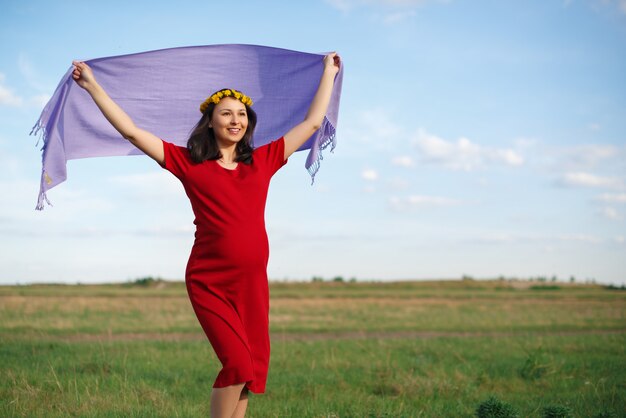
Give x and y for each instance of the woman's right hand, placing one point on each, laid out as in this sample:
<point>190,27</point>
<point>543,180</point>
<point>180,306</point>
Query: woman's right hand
<point>83,75</point>
<point>332,62</point>
<point>150,144</point>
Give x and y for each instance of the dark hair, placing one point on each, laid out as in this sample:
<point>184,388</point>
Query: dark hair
<point>202,144</point>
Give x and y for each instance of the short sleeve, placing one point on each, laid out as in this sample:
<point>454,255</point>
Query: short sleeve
<point>271,155</point>
<point>177,159</point>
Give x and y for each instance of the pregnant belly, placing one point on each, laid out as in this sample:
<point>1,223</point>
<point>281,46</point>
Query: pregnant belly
<point>231,254</point>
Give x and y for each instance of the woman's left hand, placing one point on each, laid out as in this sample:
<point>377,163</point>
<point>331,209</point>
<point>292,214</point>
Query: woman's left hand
<point>317,110</point>
<point>332,62</point>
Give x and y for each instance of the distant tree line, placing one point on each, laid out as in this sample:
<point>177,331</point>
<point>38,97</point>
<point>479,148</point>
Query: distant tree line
<point>337,279</point>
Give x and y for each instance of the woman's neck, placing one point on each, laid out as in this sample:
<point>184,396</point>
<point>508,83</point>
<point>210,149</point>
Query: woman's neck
<point>229,153</point>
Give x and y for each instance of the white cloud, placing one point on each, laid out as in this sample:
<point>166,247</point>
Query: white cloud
<point>321,188</point>
<point>380,128</point>
<point>587,156</point>
<point>397,2</point>
<point>373,131</point>
<point>619,4</point>
<point>349,5</point>
<point>402,161</point>
<point>78,201</point>
<point>10,98</point>
<point>7,97</point>
<point>57,230</point>
<point>579,238</point>
<point>342,5</point>
<point>69,203</point>
<point>40,100</point>
<point>549,242</point>
<point>398,183</point>
<point>525,142</point>
<point>594,126</point>
<point>149,185</point>
<point>163,231</point>
<point>496,238</point>
<point>30,74</point>
<point>397,17</point>
<point>582,179</point>
<point>421,201</point>
<point>611,213</point>
<point>612,197</point>
<point>369,174</point>
<point>620,239</point>
<point>11,165</point>
<point>507,156</point>
<point>462,154</point>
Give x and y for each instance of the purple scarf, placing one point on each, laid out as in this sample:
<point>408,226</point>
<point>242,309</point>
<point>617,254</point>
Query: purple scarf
<point>162,91</point>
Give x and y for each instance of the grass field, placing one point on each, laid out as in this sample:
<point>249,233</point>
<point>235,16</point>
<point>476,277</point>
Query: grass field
<point>405,349</point>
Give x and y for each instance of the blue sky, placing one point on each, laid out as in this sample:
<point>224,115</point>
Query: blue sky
<point>480,138</point>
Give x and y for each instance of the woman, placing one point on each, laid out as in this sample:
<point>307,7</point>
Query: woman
<point>226,181</point>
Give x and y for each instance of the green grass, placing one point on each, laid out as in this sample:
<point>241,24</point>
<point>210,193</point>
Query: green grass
<point>59,357</point>
<point>461,306</point>
<point>346,378</point>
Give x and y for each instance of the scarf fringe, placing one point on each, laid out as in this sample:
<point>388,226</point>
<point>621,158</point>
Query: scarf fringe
<point>39,130</point>
<point>327,137</point>
<point>36,132</point>
<point>42,192</point>
<point>43,129</point>
<point>42,197</point>
<point>153,66</point>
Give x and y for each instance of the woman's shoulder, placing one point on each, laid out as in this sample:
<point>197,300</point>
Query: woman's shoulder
<point>172,147</point>
<point>177,158</point>
<point>269,145</point>
<point>271,155</point>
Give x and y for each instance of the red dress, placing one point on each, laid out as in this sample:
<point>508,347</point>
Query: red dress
<point>226,275</point>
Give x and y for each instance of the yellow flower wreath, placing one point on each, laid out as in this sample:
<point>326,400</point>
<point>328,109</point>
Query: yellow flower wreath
<point>217,96</point>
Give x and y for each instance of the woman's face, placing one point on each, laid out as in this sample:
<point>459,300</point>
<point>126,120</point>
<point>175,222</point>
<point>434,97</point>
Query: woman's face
<point>229,121</point>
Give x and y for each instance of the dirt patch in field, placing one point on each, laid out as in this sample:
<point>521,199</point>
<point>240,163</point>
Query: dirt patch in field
<point>447,301</point>
<point>278,337</point>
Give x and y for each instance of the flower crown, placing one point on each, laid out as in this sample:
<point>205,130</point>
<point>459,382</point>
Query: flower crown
<point>217,96</point>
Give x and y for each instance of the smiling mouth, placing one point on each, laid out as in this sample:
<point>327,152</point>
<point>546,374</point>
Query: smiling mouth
<point>234,130</point>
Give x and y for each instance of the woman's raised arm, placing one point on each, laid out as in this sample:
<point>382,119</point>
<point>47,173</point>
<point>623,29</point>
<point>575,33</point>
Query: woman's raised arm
<point>314,117</point>
<point>147,142</point>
